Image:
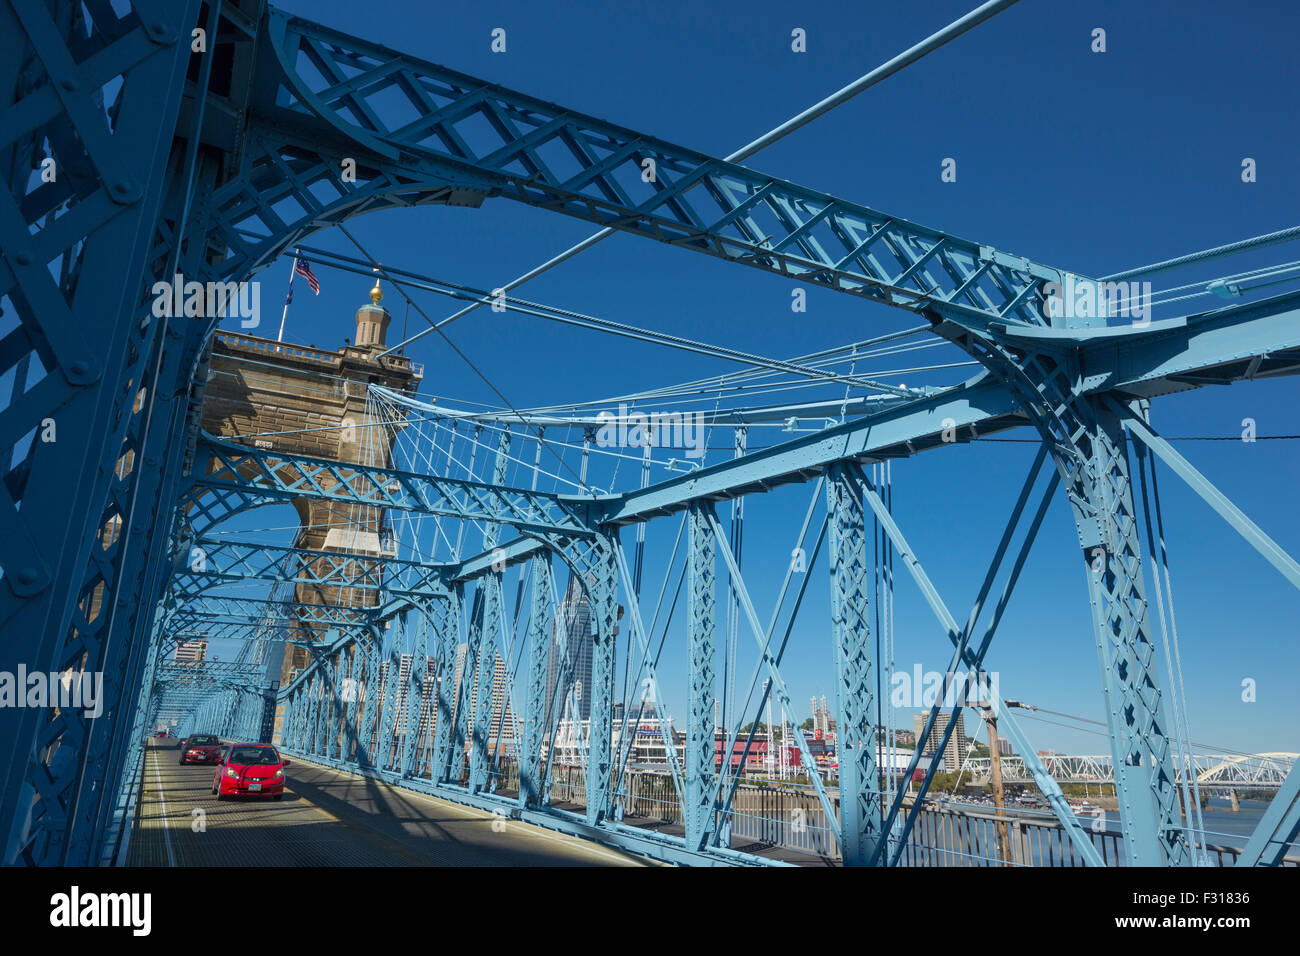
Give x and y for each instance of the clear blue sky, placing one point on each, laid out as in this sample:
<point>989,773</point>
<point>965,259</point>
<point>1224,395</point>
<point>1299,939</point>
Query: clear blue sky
<point>1086,161</point>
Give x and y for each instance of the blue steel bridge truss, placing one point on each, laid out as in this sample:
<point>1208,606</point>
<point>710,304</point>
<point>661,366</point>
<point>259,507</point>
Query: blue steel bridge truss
<point>213,164</point>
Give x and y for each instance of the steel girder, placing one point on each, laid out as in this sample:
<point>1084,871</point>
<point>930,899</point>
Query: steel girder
<point>861,823</point>
<point>68,509</point>
<point>600,576</point>
<point>151,467</point>
<point>1269,842</point>
<point>698,813</point>
<point>322,95</point>
<point>539,647</point>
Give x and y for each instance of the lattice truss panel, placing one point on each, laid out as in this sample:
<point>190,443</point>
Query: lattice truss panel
<point>405,130</point>
<point>82,149</point>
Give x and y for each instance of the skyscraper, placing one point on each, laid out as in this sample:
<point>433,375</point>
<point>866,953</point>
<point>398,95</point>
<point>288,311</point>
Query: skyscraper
<point>574,618</point>
<point>821,715</point>
<point>500,698</point>
<point>954,755</point>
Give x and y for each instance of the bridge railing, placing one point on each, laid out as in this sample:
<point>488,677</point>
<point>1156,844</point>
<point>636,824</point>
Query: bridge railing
<point>953,837</point>
<point>792,819</point>
<point>768,815</point>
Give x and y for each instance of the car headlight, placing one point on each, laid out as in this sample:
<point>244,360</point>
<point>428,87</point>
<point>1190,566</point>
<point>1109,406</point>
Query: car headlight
<point>230,772</point>
<point>278,773</point>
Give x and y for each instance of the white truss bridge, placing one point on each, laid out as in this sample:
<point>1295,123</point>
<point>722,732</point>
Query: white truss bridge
<point>1265,771</point>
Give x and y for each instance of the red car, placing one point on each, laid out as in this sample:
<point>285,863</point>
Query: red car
<point>200,748</point>
<point>250,770</point>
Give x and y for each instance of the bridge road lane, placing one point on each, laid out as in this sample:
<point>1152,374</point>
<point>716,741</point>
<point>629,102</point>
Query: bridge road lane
<point>330,818</point>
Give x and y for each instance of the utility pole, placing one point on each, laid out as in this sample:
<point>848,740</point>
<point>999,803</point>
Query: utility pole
<point>770,763</point>
<point>995,775</point>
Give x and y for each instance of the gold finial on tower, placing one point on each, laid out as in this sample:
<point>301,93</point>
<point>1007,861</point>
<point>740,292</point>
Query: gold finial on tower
<point>376,293</point>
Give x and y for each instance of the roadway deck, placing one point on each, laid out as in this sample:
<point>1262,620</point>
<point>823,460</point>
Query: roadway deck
<point>330,818</point>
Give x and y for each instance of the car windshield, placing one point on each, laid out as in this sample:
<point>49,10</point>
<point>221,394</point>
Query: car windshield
<point>254,755</point>
<point>202,740</point>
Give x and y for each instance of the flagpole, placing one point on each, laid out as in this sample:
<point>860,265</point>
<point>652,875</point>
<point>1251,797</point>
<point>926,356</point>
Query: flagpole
<point>293,262</point>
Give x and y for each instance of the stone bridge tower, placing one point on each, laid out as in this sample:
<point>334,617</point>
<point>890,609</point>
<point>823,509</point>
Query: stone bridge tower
<point>304,400</point>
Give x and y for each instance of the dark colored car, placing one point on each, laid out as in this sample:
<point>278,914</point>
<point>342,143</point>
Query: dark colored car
<point>200,748</point>
<point>161,733</point>
<point>250,770</point>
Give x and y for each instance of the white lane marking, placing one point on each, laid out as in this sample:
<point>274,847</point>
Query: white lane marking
<point>167,837</point>
<point>474,813</point>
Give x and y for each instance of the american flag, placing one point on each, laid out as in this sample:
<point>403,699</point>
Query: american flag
<point>301,268</point>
